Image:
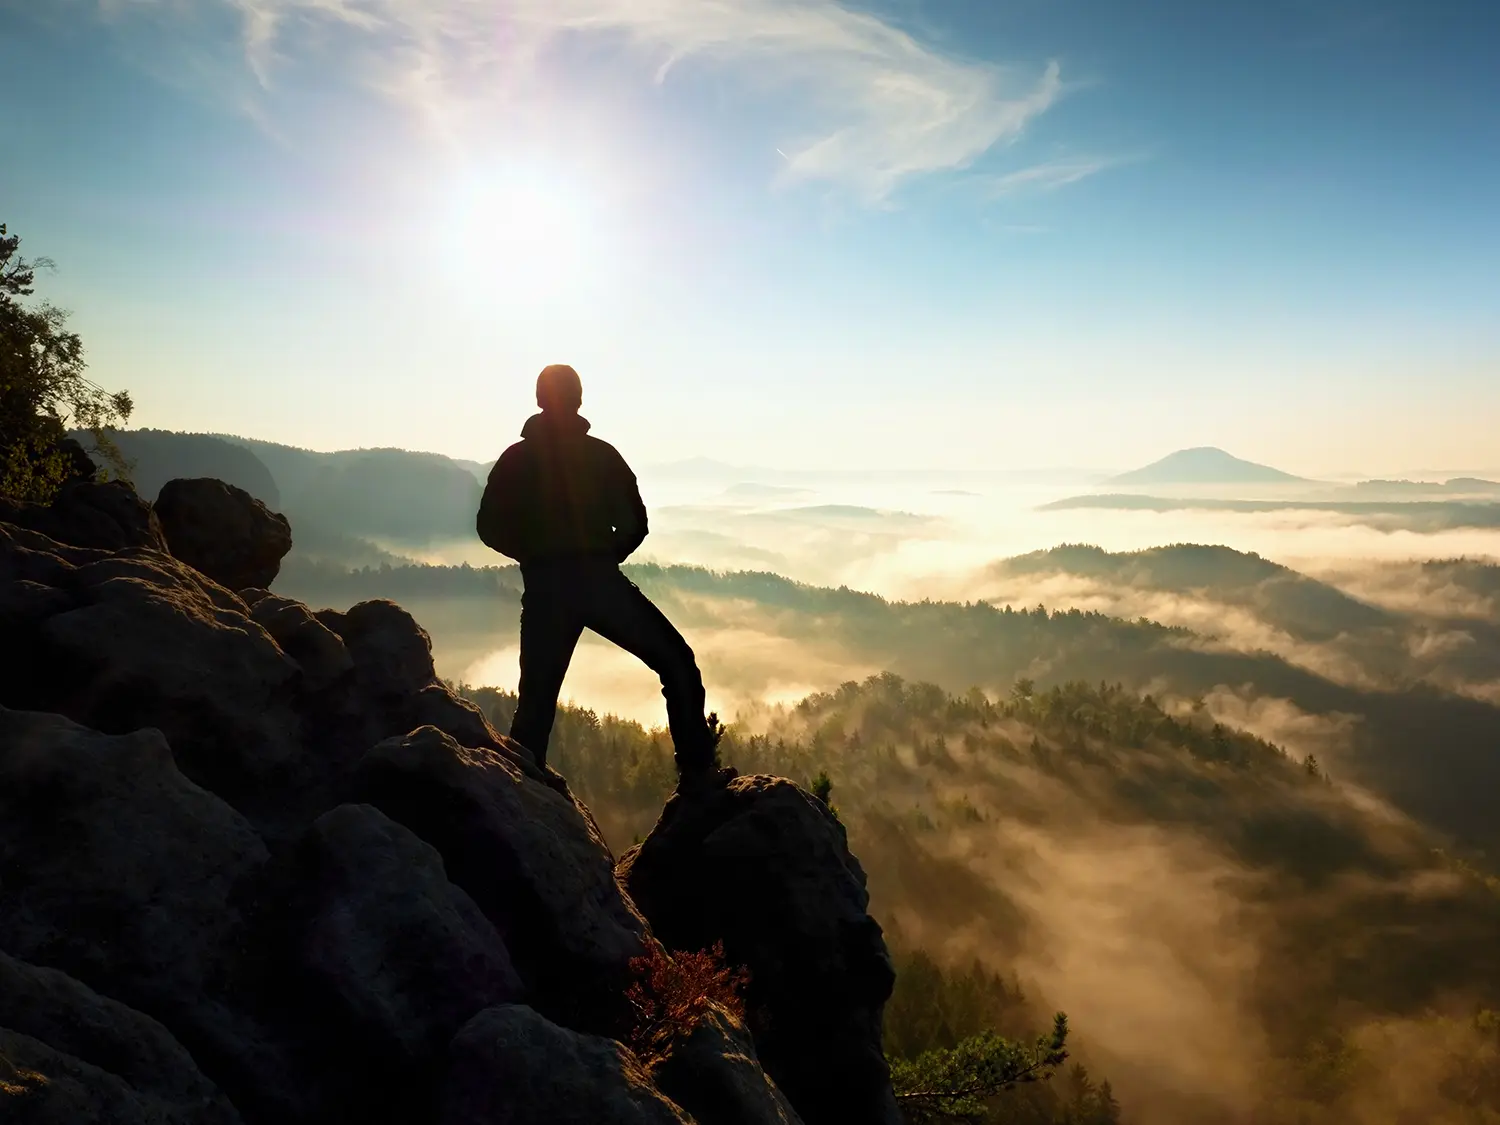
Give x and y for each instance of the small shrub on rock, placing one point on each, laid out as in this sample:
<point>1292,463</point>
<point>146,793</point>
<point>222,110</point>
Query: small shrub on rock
<point>670,996</point>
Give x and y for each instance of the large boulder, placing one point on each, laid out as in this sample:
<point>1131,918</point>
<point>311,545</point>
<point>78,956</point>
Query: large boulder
<point>136,638</point>
<point>317,649</point>
<point>106,516</point>
<point>528,856</point>
<point>391,651</point>
<point>223,532</point>
<point>102,835</point>
<point>510,1066</point>
<point>403,952</point>
<point>119,871</point>
<point>74,1020</point>
<point>764,867</point>
<point>394,687</point>
<point>40,1085</point>
<point>714,1074</point>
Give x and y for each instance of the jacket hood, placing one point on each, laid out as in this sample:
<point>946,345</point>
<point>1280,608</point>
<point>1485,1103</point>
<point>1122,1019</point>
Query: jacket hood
<point>558,425</point>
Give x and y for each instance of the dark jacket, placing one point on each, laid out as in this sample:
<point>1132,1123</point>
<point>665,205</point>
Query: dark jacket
<point>560,494</point>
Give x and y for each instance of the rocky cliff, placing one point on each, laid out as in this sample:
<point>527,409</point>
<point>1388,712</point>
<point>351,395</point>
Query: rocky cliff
<point>259,865</point>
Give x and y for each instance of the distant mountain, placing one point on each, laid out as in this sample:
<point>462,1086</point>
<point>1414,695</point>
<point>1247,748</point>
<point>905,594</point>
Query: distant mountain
<point>1204,465</point>
<point>392,494</point>
<point>334,500</point>
<point>157,456</point>
<point>1300,606</point>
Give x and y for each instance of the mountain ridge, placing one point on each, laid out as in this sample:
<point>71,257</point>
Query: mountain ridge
<point>1205,464</point>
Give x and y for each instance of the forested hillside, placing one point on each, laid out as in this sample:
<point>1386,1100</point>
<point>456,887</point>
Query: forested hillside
<point>1425,747</point>
<point>1295,953</point>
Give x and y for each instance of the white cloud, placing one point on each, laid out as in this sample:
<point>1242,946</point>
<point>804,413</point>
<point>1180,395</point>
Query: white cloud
<point>877,105</point>
<point>1049,176</point>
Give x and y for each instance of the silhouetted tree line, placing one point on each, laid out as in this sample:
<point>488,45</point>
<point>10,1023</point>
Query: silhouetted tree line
<point>43,389</point>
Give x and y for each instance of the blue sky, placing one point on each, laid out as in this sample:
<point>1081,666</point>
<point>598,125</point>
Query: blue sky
<point>794,232</point>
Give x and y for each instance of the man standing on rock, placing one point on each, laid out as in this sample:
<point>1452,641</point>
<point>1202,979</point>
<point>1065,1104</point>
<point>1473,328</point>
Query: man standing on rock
<point>567,508</point>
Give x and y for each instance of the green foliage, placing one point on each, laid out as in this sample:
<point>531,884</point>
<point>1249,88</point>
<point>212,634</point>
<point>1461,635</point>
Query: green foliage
<point>821,787</point>
<point>43,390</point>
<point>1085,1103</point>
<point>933,1006</point>
<point>671,995</point>
<point>958,1083</point>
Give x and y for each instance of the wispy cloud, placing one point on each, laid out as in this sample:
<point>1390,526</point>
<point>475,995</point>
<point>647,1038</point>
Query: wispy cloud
<point>876,106</point>
<point>1050,175</point>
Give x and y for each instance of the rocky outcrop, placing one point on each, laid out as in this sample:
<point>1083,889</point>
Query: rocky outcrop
<point>317,649</point>
<point>120,641</point>
<point>527,855</point>
<point>764,867</point>
<point>120,872</point>
<point>257,863</point>
<point>116,868</point>
<point>40,1085</point>
<point>405,953</point>
<point>713,1073</point>
<point>76,1023</point>
<point>124,640</point>
<point>223,532</point>
<point>509,1064</point>
<point>106,516</point>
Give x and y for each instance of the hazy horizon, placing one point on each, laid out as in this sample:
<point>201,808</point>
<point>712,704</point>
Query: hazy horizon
<point>778,231</point>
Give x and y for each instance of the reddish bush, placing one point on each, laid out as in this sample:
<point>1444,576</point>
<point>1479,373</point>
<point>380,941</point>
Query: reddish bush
<point>671,994</point>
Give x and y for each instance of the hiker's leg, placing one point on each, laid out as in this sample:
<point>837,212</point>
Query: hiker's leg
<point>550,628</point>
<point>619,612</point>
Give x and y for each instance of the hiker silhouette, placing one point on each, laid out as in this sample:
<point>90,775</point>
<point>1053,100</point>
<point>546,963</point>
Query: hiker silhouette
<point>567,508</point>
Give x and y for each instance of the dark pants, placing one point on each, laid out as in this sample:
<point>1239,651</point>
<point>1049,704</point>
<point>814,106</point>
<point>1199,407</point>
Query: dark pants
<point>561,600</point>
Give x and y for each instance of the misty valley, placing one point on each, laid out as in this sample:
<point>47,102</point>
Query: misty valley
<point>1214,775</point>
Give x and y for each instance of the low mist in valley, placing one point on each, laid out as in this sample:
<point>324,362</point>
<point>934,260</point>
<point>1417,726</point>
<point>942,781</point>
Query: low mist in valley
<point>1219,784</point>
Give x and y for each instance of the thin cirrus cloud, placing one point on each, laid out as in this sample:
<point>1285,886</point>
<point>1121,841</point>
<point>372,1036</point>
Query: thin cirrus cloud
<point>1048,176</point>
<point>876,107</point>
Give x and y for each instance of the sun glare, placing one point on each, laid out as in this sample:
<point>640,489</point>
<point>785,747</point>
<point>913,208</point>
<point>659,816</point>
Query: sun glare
<point>521,234</point>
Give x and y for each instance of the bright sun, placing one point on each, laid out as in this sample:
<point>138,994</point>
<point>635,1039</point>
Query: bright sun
<point>519,233</point>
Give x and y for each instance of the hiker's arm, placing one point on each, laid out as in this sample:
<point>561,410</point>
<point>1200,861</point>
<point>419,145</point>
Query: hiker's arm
<point>629,516</point>
<point>499,520</point>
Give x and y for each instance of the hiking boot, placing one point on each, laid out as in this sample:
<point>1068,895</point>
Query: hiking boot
<point>704,778</point>
<point>555,781</point>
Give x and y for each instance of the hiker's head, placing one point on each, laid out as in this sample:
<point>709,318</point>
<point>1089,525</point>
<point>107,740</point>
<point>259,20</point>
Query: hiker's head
<point>559,390</point>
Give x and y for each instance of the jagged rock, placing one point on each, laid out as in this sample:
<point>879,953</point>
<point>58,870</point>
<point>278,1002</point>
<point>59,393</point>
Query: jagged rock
<point>72,1019</point>
<point>528,856</point>
<point>147,641</point>
<point>105,516</point>
<point>223,531</point>
<point>321,985</point>
<point>103,835</point>
<point>764,867</point>
<point>714,1074</point>
<point>510,1065</point>
<point>436,706</point>
<point>317,649</point>
<point>40,1085</point>
<point>392,653</point>
<point>119,871</point>
<point>407,954</point>
<point>394,687</point>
